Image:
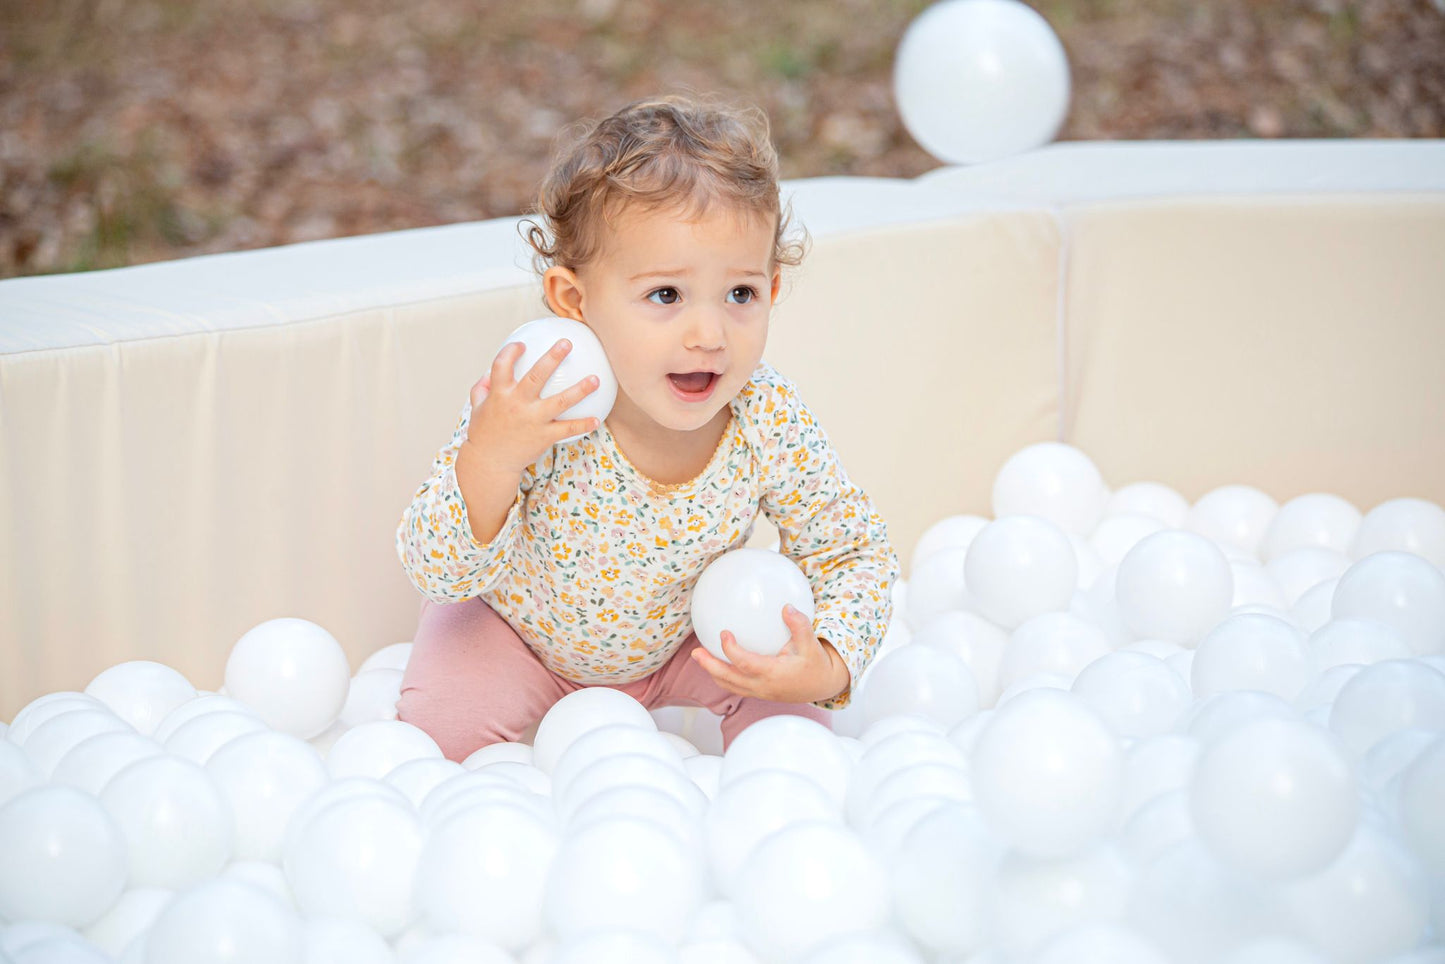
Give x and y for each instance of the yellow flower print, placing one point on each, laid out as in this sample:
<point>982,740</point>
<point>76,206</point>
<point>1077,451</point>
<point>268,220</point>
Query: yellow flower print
<point>636,550</point>
<point>611,574</point>
<point>608,615</point>
<point>592,511</point>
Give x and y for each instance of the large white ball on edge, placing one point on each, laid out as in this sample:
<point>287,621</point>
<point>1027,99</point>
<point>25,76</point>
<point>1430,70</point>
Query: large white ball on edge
<point>292,672</point>
<point>1400,589</point>
<point>1018,567</point>
<point>1054,481</point>
<point>977,80</point>
<point>744,592</point>
<point>580,712</point>
<point>585,358</point>
<point>64,857</point>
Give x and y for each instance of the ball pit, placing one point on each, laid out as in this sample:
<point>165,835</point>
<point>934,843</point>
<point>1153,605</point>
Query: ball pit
<point>1140,770</point>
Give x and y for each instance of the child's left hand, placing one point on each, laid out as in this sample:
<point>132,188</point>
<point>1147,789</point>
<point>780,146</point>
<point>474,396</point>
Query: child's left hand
<point>805,670</point>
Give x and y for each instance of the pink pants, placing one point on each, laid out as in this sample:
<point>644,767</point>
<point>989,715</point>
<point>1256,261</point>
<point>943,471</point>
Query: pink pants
<point>471,681</point>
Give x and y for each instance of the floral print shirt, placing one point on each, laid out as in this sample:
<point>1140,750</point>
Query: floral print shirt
<point>595,563</point>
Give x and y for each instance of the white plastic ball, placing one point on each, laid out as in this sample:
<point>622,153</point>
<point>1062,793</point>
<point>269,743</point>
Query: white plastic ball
<point>1275,799</point>
<point>610,741</point>
<point>455,949</point>
<point>1236,515</point>
<point>1153,499</point>
<point>1363,641</point>
<point>375,749</point>
<point>1251,652</point>
<point>49,742</point>
<point>17,773</point>
<point>265,777</point>
<point>622,873</point>
<point>177,826</point>
<point>625,947</point>
<point>1047,773</point>
<point>225,920</point>
<point>923,680</point>
<point>981,80</point>
<point>1312,609</point>
<point>943,880</point>
<point>1115,535</point>
<point>1299,570</point>
<point>357,859</point>
<point>483,873</point>
<point>201,705</point>
<point>752,807</point>
<point>1053,481</point>
<point>1403,525</point>
<point>937,588</point>
<point>888,757</point>
<point>1421,804</point>
<point>1101,943</point>
<point>807,884</point>
<point>586,358</point>
<point>292,672</point>
<point>631,769</point>
<point>1401,590</point>
<point>1397,694</point>
<point>504,752</point>
<point>1154,766</point>
<point>91,763</point>
<point>793,743</point>
<point>417,778</point>
<point>1175,586</point>
<point>1196,909</point>
<point>64,857</point>
<point>1134,694</point>
<point>334,940</point>
<point>1060,643</point>
<point>950,532</point>
<point>200,737</point>
<point>395,656</point>
<point>141,692</point>
<point>372,696</point>
<point>743,592</point>
<point>1317,520</point>
<point>975,640</point>
<point>46,707</point>
<point>128,918</point>
<point>1037,899</point>
<point>1020,566</point>
<point>580,711</point>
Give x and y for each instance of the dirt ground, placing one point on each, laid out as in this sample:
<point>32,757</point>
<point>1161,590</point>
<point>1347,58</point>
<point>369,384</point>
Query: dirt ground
<point>141,130</point>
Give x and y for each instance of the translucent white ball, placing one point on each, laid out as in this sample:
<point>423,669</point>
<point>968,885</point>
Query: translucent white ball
<point>937,587</point>
<point>950,532</point>
<point>1047,773</point>
<point>1236,515</point>
<point>1151,499</point>
<point>483,872</point>
<point>375,749</point>
<point>579,712</point>
<point>1018,567</point>
<point>980,80</point>
<point>1051,643</point>
<point>807,884</point>
<point>943,876</point>
<point>178,828</point>
<point>356,858</point>
<point>1251,652</point>
<point>141,692</point>
<point>201,736</point>
<point>1403,525</point>
<point>1175,586</point>
<point>1135,694</point>
<point>201,705</point>
<point>91,763</point>
<point>128,918</point>
<point>43,708</point>
<point>1317,520</point>
<point>1362,641</point>
<point>794,743</point>
<point>292,672</point>
<point>1275,799</point>
<point>1053,481</point>
<point>1038,899</point>
<point>1115,535</point>
<point>372,696</point>
<point>1299,570</point>
<point>1102,943</point>
<point>225,920</point>
<point>630,769</point>
<point>585,358</point>
<point>888,757</point>
<point>744,592</point>
<point>610,741</point>
<point>64,857</point>
<point>625,874</point>
<point>750,808</point>
<point>1422,802</point>
<point>1399,589</point>
<point>1397,694</point>
<point>973,639</point>
<point>332,940</point>
<point>923,680</point>
<point>49,742</point>
<point>265,777</point>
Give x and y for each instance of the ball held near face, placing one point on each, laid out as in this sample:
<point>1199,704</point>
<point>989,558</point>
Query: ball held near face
<point>744,592</point>
<point>585,358</point>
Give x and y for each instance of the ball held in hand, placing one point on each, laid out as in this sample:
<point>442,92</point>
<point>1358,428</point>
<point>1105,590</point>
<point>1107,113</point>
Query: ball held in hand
<point>744,592</point>
<point>585,358</point>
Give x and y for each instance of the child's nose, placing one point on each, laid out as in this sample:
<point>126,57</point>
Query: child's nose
<point>706,329</point>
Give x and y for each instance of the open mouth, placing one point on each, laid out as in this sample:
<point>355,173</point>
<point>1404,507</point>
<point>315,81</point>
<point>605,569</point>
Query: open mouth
<point>692,383</point>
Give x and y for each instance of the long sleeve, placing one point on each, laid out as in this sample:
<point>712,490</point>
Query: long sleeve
<point>828,526</point>
<point>434,539</point>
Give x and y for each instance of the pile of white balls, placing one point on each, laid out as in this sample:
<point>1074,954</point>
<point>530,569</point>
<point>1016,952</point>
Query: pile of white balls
<point>1104,728</point>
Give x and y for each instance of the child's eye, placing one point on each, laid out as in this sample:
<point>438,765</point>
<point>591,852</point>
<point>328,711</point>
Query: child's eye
<point>664,296</point>
<point>742,294</point>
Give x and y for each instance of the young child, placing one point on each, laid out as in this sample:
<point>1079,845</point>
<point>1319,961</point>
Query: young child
<point>548,567</point>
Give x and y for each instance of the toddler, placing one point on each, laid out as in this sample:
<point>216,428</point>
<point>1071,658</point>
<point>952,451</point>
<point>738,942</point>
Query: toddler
<point>549,565</point>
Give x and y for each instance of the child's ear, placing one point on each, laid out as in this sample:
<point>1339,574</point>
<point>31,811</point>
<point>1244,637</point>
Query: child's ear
<point>777,283</point>
<point>563,292</point>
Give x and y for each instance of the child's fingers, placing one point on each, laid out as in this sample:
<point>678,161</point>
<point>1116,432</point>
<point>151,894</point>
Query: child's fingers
<point>481,389</point>
<point>505,362</point>
<point>573,426</point>
<point>747,662</point>
<point>566,399</point>
<point>722,674</point>
<point>536,377</point>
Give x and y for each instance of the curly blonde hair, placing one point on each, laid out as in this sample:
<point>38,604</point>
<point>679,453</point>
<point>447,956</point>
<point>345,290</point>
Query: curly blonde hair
<point>658,153</point>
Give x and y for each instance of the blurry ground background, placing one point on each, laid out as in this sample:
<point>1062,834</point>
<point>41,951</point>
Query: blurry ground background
<point>140,130</point>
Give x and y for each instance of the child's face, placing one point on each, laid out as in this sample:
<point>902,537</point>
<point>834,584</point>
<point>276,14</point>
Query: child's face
<point>681,307</point>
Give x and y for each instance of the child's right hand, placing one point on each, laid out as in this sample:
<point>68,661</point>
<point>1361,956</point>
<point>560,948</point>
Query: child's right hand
<point>511,422</point>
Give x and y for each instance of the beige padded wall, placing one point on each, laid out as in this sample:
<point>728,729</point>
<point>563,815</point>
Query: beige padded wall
<point>160,497</point>
<point>928,353</point>
<point>1294,344</point>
